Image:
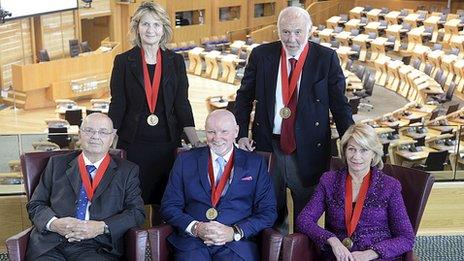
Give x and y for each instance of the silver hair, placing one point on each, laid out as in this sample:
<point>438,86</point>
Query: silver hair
<point>295,12</point>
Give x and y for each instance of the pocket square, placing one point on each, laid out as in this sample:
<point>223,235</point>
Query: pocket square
<point>249,178</point>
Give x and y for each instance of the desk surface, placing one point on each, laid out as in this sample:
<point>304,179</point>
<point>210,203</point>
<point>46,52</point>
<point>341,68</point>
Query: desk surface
<point>414,156</point>
<point>12,189</point>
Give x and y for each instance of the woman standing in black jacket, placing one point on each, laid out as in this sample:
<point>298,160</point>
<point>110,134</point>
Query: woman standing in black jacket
<point>149,100</point>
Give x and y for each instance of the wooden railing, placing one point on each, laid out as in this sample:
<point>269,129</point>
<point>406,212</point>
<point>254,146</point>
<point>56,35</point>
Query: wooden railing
<point>321,11</point>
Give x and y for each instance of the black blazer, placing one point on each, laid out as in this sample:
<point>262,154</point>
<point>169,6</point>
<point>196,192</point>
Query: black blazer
<point>322,88</point>
<point>117,201</point>
<point>128,94</point>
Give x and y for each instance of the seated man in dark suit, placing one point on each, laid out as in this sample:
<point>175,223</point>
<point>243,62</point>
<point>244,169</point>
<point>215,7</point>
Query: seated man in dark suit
<point>218,197</point>
<point>85,201</point>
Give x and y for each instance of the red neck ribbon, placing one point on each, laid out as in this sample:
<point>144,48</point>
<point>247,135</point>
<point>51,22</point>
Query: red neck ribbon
<point>287,90</point>
<point>352,217</point>
<point>216,191</point>
<point>90,187</point>
<point>152,86</point>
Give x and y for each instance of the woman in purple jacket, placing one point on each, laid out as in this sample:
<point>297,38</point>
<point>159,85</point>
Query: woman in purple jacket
<point>364,211</point>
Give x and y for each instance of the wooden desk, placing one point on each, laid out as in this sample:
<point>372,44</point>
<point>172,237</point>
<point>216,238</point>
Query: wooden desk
<point>45,82</point>
<point>434,22</point>
<point>332,22</point>
<point>415,156</point>
<point>412,19</point>
<point>195,60</point>
<point>8,190</point>
<point>361,40</point>
<point>352,24</point>
<point>355,13</point>
<point>373,15</point>
<point>392,17</point>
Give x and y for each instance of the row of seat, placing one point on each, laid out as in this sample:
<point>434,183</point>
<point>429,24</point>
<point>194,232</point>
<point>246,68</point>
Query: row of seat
<point>219,65</point>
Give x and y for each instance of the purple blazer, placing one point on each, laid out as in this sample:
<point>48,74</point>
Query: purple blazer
<point>384,225</point>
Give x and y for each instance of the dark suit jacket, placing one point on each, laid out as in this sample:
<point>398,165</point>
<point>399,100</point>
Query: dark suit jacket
<point>249,201</point>
<point>322,88</point>
<point>383,226</point>
<point>116,201</point>
<point>128,94</point>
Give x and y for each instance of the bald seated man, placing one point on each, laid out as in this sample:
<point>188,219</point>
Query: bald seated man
<point>294,84</point>
<point>85,200</point>
<point>218,197</point>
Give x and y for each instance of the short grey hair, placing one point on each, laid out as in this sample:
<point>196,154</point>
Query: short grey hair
<point>295,12</point>
<point>156,10</point>
<point>366,137</point>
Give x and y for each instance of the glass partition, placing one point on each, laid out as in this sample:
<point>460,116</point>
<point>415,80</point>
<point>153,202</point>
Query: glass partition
<point>264,9</point>
<point>192,17</point>
<point>229,13</point>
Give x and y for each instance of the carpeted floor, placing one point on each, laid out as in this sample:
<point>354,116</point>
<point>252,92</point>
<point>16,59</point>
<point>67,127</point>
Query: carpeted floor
<point>427,248</point>
<point>440,248</point>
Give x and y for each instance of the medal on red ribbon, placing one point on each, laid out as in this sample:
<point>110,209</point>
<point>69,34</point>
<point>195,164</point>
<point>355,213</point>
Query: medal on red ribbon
<point>289,87</point>
<point>352,216</point>
<point>152,86</point>
<point>90,187</point>
<point>216,190</point>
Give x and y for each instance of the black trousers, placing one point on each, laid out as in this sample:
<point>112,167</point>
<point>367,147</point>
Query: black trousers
<point>285,175</point>
<point>155,161</point>
<point>88,250</point>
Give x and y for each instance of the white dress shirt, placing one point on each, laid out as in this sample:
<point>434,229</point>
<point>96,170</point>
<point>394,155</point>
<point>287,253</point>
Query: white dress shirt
<point>214,156</point>
<point>279,103</point>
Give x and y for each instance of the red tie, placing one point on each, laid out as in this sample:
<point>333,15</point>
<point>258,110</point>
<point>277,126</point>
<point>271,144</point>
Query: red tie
<point>287,131</point>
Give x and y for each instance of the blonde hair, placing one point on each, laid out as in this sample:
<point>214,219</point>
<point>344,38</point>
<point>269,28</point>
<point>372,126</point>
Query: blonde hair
<point>366,137</point>
<point>156,10</point>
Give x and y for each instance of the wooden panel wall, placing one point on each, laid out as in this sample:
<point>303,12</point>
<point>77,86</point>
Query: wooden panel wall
<point>266,20</point>
<point>219,27</point>
<point>15,47</point>
<point>191,32</point>
<point>53,32</point>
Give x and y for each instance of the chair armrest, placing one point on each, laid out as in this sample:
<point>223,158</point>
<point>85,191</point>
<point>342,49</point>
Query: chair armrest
<point>271,243</point>
<point>158,243</point>
<point>135,241</point>
<point>17,245</point>
<point>299,247</point>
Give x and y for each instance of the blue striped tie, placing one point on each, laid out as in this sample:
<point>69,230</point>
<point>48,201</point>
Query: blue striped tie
<point>82,201</point>
<point>221,162</point>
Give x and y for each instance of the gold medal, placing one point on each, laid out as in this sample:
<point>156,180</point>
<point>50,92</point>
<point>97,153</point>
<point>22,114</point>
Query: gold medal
<point>348,243</point>
<point>285,113</point>
<point>152,120</point>
<point>211,214</point>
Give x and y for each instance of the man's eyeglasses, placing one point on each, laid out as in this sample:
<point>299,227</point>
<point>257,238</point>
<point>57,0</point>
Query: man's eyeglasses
<point>101,132</point>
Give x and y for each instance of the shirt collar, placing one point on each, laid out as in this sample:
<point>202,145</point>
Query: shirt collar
<point>88,162</point>
<point>214,156</point>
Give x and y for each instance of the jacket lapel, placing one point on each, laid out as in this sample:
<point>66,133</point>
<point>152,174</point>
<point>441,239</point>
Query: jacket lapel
<point>272,61</point>
<point>308,77</point>
<point>106,180</point>
<point>203,170</point>
<point>135,60</point>
<point>72,172</point>
<point>168,91</point>
<point>238,170</point>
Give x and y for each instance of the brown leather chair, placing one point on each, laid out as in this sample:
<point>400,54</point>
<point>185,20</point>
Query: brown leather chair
<point>269,240</point>
<point>416,187</point>
<point>32,165</point>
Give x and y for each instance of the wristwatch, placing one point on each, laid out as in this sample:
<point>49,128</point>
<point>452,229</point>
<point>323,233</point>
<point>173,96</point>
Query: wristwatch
<point>106,230</point>
<point>237,233</point>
